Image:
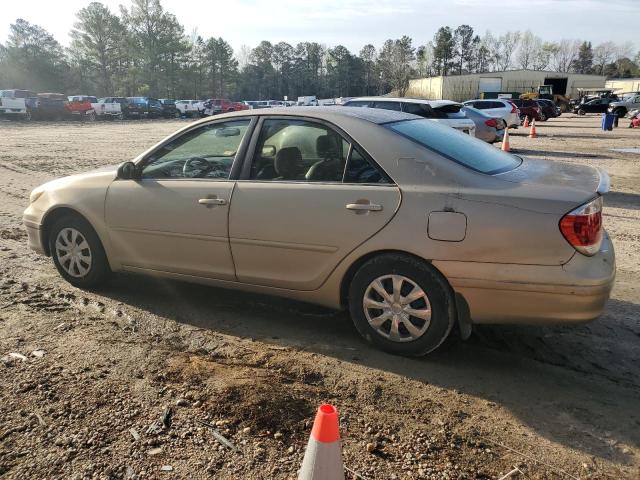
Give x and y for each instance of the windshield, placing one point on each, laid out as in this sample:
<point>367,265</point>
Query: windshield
<point>459,147</point>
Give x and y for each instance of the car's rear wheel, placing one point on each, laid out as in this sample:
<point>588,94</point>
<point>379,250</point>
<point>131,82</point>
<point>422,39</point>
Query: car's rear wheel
<point>78,253</point>
<point>543,117</point>
<point>620,112</point>
<point>581,111</point>
<point>401,304</point>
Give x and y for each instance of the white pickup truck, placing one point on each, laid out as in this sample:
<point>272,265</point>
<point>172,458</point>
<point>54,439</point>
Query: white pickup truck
<point>190,108</point>
<point>103,109</point>
<point>15,107</point>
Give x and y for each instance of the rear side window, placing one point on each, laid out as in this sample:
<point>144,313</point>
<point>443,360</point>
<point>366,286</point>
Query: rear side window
<point>456,146</point>
<point>360,170</point>
<point>422,109</point>
<point>451,111</point>
<point>495,105</point>
<point>357,103</point>
<point>387,105</point>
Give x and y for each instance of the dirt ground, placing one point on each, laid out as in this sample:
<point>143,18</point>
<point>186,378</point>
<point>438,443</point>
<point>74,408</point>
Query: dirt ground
<point>102,367</point>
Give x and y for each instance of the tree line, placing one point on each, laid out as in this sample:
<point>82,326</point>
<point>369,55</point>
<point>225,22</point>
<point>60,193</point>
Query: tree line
<point>144,50</point>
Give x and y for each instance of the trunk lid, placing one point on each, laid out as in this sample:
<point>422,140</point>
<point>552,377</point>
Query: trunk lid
<point>550,187</point>
<point>565,180</point>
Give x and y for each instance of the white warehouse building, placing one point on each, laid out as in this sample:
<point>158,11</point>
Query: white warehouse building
<point>621,85</point>
<point>474,85</point>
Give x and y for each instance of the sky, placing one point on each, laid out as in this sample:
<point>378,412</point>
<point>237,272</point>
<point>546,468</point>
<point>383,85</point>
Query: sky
<point>354,23</point>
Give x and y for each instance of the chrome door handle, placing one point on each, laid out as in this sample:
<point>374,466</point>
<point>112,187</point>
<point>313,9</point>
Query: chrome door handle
<point>212,201</point>
<point>364,207</point>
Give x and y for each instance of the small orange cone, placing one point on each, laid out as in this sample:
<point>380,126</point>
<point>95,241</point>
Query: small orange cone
<point>323,457</point>
<point>505,141</point>
<point>526,122</point>
<point>532,132</point>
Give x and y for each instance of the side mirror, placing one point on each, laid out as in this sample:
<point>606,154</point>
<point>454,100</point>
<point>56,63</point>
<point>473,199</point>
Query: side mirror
<point>128,171</point>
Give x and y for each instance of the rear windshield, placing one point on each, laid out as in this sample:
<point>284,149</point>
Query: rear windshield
<point>463,149</point>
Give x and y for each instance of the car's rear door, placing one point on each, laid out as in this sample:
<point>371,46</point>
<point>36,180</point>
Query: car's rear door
<point>297,211</point>
<point>175,217</point>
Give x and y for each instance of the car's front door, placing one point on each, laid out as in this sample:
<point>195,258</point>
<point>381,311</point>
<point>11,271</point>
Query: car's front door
<point>174,218</point>
<point>297,211</point>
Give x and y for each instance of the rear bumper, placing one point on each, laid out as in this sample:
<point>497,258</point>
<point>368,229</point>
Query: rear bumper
<point>530,294</point>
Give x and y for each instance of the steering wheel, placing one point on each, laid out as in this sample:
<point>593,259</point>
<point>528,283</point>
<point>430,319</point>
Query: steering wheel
<point>201,165</point>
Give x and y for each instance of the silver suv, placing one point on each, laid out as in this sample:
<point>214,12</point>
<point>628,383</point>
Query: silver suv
<point>629,102</point>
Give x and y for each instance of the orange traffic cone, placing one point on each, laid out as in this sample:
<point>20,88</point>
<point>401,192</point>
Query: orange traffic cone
<point>323,457</point>
<point>505,141</point>
<point>532,132</point>
<point>526,122</point>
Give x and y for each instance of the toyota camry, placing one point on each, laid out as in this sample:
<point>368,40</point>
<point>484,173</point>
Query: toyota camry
<point>410,225</point>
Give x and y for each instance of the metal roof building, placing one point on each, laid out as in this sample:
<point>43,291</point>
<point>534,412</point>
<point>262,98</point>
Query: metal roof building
<point>465,87</point>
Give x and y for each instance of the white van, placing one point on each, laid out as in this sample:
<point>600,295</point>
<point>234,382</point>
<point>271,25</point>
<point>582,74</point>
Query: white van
<point>442,111</point>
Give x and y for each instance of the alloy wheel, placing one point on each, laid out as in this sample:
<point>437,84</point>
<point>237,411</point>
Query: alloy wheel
<point>397,308</point>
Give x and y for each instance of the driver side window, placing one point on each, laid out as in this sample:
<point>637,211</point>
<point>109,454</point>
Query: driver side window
<point>206,152</point>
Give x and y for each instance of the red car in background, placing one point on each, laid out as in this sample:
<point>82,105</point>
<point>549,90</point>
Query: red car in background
<point>214,106</point>
<point>529,108</point>
<point>80,105</point>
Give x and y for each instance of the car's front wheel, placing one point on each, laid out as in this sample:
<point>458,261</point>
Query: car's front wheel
<point>78,253</point>
<point>401,304</point>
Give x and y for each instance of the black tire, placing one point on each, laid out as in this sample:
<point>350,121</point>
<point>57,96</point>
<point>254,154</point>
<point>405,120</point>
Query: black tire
<point>98,270</point>
<point>620,112</point>
<point>581,112</point>
<point>428,279</point>
<point>543,117</point>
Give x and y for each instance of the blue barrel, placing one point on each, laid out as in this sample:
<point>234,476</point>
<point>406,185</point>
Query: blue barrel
<point>607,121</point>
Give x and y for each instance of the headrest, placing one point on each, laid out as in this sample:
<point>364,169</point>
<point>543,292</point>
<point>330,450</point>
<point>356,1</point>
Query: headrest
<point>327,145</point>
<point>288,163</point>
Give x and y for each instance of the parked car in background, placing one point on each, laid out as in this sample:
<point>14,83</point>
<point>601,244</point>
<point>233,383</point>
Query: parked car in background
<point>80,106</point>
<point>622,107</point>
<point>528,108</point>
<point>442,111</point>
<point>107,110</point>
<point>595,105</point>
<point>50,106</point>
<point>169,109</point>
<point>488,128</point>
<point>411,226</point>
<point>498,107</point>
<point>122,101</point>
<point>548,109</point>
<point>214,106</point>
<point>139,107</point>
<point>190,108</point>
<point>18,103</point>
<point>14,108</point>
<point>307,101</point>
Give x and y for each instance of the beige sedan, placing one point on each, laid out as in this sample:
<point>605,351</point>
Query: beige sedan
<point>412,226</point>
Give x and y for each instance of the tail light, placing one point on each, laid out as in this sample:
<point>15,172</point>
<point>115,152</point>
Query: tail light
<point>514,109</point>
<point>582,227</point>
<point>491,123</point>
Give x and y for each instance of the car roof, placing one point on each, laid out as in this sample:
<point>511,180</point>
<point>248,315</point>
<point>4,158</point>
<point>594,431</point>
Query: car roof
<point>433,103</point>
<point>374,115</point>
